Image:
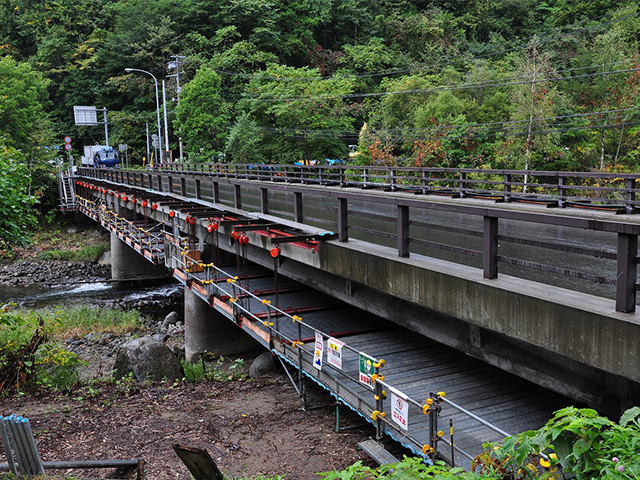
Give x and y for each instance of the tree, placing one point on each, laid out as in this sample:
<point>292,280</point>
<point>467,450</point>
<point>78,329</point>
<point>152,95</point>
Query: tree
<point>243,143</point>
<point>203,116</point>
<point>305,115</point>
<point>16,214</point>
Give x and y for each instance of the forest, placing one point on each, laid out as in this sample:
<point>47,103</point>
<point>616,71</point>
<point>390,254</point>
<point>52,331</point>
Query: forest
<point>508,84</point>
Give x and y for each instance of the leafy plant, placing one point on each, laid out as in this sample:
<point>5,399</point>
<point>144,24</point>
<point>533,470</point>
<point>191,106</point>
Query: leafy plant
<point>407,469</point>
<point>576,442</point>
<point>216,369</point>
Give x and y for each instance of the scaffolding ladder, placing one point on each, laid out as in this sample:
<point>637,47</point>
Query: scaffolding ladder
<point>67,193</point>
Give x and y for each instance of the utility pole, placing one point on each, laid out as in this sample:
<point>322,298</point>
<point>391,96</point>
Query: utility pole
<point>166,126</point>
<point>175,65</point>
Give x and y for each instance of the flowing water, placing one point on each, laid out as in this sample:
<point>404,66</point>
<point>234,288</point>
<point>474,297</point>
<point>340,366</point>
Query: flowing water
<point>121,295</point>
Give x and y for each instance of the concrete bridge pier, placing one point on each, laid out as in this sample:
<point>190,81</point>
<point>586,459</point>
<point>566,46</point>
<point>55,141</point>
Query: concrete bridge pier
<point>127,264</point>
<point>208,331</point>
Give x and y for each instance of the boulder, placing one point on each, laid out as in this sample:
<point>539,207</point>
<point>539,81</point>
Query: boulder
<point>262,364</point>
<point>105,258</point>
<point>147,359</point>
<point>171,319</point>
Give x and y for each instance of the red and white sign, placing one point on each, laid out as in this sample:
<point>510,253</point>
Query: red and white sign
<point>67,139</point>
<point>67,146</point>
<point>400,409</point>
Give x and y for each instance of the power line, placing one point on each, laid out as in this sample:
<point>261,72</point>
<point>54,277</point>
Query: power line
<point>449,127</point>
<point>443,88</point>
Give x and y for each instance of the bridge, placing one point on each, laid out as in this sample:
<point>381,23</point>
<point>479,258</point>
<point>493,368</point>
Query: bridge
<point>341,257</point>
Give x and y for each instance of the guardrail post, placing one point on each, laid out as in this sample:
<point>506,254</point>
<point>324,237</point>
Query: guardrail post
<point>393,180</point>
<point>425,187</point>
<point>198,189</point>
<point>150,181</point>
<point>630,196</point>
<point>627,271</point>
<point>159,178</point>
<point>343,229</point>
<point>562,192</point>
<point>297,207</point>
<point>403,231</point>
<point>170,179</point>
<point>264,200</point>
<point>462,182</point>
<point>365,177</point>
<point>237,198</point>
<point>379,398</point>
<point>183,186</point>
<point>341,177</point>
<point>507,187</point>
<point>490,247</point>
<point>215,189</point>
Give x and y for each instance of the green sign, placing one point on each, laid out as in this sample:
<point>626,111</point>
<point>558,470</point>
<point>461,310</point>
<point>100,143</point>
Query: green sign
<point>366,370</point>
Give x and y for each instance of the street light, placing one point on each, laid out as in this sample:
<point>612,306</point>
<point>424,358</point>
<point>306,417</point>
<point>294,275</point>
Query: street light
<point>157,107</point>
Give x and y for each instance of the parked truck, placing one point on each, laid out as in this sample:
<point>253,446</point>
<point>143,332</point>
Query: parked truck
<point>100,156</point>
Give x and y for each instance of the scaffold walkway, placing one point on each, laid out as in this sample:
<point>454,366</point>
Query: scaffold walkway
<point>409,387</point>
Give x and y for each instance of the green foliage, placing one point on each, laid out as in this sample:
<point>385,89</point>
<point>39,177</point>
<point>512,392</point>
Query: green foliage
<point>88,253</point>
<point>575,442</point>
<point>295,107</point>
<point>243,143</point>
<point>16,215</point>
<point>203,116</point>
<point>216,369</point>
<point>407,469</point>
<point>28,360</point>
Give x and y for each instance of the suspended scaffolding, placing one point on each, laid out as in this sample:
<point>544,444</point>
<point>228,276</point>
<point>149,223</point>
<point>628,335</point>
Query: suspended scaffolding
<point>393,378</point>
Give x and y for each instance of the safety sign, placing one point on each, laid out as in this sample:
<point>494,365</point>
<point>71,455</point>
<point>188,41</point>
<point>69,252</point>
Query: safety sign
<point>334,352</point>
<point>366,370</point>
<point>317,353</point>
<point>400,409</point>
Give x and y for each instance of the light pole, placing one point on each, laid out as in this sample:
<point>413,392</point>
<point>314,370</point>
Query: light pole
<point>157,107</point>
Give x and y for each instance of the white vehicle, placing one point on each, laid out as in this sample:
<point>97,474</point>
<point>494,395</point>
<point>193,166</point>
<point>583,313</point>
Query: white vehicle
<point>100,156</point>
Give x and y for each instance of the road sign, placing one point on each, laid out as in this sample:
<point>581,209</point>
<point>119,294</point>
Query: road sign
<point>67,147</point>
<point>85,115</point>
<point>67,139</point>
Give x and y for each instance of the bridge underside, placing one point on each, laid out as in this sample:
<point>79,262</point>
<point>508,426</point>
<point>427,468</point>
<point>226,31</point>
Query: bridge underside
<point>570,342</point>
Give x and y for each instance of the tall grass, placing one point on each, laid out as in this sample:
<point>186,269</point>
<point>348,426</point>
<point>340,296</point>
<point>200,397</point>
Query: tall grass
<point>88,253</point>
<point>32,350</point>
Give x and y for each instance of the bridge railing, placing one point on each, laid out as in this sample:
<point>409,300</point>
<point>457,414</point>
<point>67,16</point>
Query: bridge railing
<point>393,410</point>
<point>482,237</point>
<point>554,188</point>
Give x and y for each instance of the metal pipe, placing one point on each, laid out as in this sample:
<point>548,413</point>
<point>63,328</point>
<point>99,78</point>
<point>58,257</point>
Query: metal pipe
<point>34,465</point>
<point>475,417</point>
<point>29,433</point>
<point>18,447</point>
<point>7,447</point>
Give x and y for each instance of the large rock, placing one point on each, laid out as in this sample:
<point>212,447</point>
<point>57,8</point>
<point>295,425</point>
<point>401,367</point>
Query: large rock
<point>262,365</point>
<point>147,359</point>
<point>171,319</point>
<point>105,258</point>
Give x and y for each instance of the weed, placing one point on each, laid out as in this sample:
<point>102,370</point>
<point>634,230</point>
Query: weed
<point>216,369</point>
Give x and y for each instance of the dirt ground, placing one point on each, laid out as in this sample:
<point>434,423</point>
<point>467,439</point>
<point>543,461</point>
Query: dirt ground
<point>249,427</point>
